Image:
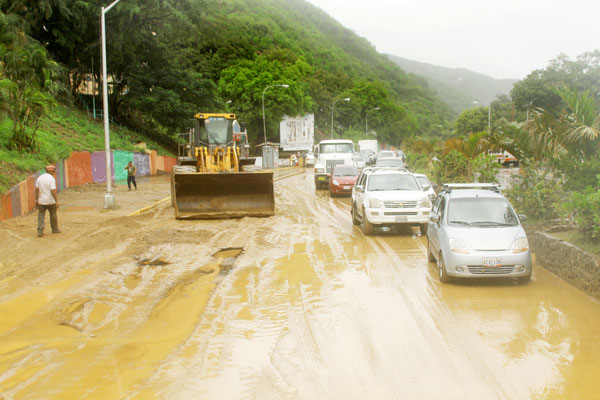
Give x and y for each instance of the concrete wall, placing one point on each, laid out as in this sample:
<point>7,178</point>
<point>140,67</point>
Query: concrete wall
<point>80,168</point>
<point>569,262</point>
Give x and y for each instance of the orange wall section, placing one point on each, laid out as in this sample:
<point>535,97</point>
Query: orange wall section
<point>79,168</point>
<point>5,206</point>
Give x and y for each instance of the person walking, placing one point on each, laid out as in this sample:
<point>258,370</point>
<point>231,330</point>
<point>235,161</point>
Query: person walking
<point>131,170</point>
<point>45,199</point>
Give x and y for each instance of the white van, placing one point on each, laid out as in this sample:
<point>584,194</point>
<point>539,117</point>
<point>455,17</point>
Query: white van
<point>329,153</point>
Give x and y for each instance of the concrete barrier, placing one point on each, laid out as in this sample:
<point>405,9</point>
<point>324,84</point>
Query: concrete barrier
<point>567,261</point>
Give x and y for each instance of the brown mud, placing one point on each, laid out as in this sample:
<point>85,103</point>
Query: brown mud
<point>300,305</point>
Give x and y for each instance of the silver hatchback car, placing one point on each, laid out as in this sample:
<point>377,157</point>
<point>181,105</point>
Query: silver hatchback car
<point>473,232</point>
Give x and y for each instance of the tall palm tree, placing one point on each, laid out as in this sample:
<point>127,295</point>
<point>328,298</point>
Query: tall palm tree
<point>583,122</point>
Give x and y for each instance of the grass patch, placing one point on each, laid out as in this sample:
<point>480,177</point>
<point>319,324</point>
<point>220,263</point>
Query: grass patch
<point>580,240</point>
<point>63,131</point>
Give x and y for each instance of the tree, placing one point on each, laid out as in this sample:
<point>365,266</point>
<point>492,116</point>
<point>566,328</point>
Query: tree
<point>245,82</point>
<point>27,82</point>
<point>471,121</point>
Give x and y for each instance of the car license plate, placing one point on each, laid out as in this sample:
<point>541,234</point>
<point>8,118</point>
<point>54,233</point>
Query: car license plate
<point>491,262</point>
<point>401,218</point>
<point>347,187</point>
<point>321,178</point>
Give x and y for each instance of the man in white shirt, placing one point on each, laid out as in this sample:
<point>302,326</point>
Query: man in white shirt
<point>45,199</point>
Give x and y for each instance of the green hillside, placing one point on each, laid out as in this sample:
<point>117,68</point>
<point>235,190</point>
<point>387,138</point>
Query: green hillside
<point>458,87</point>
<point>170,59</point>
<point>63,131</point>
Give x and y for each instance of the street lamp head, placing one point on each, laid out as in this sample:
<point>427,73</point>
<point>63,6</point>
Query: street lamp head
<point>284,85</point>
<point>376,108</point>
<point>347,99</point>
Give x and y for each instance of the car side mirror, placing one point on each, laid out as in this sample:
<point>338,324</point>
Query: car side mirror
<point>522,217</point>
<point>434,218</point>
<point>359,188</point>
<point>426,188</point>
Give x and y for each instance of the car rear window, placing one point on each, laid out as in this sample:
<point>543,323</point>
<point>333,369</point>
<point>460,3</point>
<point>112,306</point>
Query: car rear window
<point>481,211</point>
<point>345,170</point>
<point>392,182</point>
<point>389,163</point>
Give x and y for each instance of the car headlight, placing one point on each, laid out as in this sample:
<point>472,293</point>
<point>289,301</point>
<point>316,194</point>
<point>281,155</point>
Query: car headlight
<point>425,202</point>
<point>521,245</point>
<point>459,246</point>
<point>374,203</point>
<point>336,183</point>
<point>319,170</point>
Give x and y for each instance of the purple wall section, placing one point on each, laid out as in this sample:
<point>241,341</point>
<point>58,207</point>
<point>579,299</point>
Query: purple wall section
<point>99,167</point>
<point>142,163</point>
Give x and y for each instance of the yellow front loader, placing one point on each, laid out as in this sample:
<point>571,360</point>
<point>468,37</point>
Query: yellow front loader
<point>209,181</point>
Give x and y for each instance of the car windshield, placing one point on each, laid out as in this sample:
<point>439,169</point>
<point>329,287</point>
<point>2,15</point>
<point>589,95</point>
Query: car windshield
<point>386,154</point>
<point>336,148</point>
<point>481,211</point>
<point>357,157</point>
<point>392,182</point>
<point>389,163</point>
<point>423,180</point>
<point>345,170</point>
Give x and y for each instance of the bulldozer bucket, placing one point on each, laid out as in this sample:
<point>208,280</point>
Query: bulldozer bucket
<point>222,195</point>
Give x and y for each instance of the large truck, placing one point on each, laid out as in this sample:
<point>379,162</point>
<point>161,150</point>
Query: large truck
<point>368,148</point>
<point>329,153</point>
<point>297,133</point>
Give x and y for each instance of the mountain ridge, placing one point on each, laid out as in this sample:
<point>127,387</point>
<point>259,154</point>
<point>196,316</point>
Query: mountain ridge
<point>459,88</point>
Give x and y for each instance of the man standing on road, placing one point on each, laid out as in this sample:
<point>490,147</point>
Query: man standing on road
<point>131,170</point>
<point>45,199</point>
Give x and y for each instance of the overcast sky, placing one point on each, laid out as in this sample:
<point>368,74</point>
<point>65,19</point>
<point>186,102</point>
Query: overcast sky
<point>499,38</point>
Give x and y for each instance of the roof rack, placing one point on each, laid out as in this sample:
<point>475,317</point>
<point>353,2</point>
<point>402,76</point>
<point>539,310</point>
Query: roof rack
<point>448,187</point>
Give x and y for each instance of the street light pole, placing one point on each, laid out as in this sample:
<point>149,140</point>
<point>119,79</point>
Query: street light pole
<point>109,199</point>
<point>367,121</point>
<point>332,108</point>
<point>263,108</point>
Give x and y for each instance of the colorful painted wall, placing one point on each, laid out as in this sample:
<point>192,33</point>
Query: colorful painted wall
<point>80,168</point>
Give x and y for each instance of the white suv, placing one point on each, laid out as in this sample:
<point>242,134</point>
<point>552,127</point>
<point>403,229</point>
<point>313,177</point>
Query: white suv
<point>389,197</point>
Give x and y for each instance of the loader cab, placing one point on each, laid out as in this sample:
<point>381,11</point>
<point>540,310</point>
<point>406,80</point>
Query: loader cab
<point>213,129</point>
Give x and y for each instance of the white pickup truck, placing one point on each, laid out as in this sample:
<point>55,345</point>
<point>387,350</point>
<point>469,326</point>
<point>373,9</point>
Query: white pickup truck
<point>329,153</point>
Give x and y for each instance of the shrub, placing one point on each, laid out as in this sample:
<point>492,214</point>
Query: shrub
<point>485,168</point>
<point>538,195</point>
<point>453,167</point>
<point>585,208</point>
<point>580,175</point>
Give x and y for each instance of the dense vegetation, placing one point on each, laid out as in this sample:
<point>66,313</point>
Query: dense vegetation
<point>551,123</point>
<point>168,59</point>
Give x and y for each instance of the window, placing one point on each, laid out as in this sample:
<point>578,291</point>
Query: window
<point>479,211</point>
<point>393,182</point>
<point>336,148</point>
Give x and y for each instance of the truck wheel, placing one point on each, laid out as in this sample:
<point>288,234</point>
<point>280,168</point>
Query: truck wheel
<point>367,227</point>
<point>430,256</point>
<point>355,220</point>
<point>444,278</point>
<point>423,228</point>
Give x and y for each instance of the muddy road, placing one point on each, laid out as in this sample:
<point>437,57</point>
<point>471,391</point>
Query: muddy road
<point>297,306</point>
